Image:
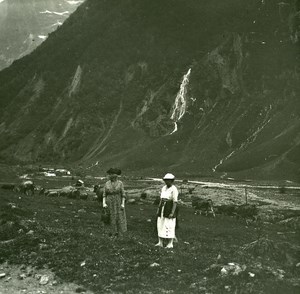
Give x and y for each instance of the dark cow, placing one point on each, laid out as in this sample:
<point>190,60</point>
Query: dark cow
<point>27,188</point>
<point>203,205</point>
<point>99,193</point>
<point>69,192</point>
<point>82,193</point>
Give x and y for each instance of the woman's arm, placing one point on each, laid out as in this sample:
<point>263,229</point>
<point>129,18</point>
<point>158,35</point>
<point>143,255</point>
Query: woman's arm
<point>123,195</point>
<point>175,199</point>
<point>123,202</point>
<point>104,197</point>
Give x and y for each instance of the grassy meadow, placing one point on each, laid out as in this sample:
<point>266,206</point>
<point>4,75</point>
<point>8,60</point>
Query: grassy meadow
<point>67,237</point>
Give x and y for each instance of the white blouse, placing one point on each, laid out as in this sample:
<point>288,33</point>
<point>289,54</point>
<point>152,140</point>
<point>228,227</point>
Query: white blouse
<point>169,193</point>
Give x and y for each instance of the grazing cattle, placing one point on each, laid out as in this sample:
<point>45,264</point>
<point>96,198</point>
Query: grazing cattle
<point>42,191</point>
<point>26,187</point>
<point>69,191</point>
<point>99,193</point>
<point>52,193</point>
<point>73,195</point>
<point>82,193</point>
<point>144,195</point>
<point>203,205</point>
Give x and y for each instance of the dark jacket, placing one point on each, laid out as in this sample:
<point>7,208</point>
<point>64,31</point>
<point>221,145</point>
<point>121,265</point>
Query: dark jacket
<point>168,205</point>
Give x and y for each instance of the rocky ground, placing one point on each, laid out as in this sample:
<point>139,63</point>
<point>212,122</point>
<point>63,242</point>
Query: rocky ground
<point>25,279</point>
<point>59,245</point>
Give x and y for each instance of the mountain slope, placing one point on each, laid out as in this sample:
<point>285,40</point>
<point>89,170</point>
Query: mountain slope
<point>197,87</point>
<point>24,25</point>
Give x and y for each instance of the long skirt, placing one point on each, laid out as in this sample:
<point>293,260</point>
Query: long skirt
<point>118,223</point>
<point>166,226</point>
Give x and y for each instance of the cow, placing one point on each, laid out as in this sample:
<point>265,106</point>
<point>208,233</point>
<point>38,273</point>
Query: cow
<point>203,205</point>
<point>51,193</point>
<point>82,193</point>
<point>69,192</point>
<point>99,193</point>
<point>26,187</point>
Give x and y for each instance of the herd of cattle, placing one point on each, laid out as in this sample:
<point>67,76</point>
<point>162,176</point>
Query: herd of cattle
<point>79,191</point>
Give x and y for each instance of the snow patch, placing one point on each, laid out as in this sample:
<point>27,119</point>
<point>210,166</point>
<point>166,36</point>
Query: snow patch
<point>58,23</point>
<point>75,2</point>
<point>55,12</point>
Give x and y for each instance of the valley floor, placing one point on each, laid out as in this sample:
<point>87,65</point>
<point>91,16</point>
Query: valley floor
<point>64,240</point>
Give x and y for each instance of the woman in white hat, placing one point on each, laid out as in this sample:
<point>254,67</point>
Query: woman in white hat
<point>167,211</point>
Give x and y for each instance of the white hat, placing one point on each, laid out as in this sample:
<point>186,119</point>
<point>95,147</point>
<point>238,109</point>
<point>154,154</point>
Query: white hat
<point>169,176</point>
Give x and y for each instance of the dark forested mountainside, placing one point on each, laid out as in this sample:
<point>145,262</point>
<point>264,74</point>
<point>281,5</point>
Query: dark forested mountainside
<point>189,86</point>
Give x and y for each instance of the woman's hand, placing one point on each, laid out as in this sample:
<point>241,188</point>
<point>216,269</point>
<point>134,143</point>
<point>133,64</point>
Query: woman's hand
<point>171,215</point>
<point>122,206</point>
<point>104,205</point>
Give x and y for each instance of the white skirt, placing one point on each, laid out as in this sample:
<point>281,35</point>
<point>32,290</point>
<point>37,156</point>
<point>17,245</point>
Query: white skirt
<point>166,226</point>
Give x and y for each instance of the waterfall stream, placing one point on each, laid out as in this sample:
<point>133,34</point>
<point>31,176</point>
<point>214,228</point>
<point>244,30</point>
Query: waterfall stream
<point>180,105</point>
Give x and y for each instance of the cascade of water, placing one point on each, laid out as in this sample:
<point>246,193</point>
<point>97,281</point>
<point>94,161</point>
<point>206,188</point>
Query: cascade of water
<point>180,104</point>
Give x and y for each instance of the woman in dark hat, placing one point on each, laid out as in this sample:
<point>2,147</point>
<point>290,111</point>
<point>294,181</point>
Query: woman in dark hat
<point>114,202</point>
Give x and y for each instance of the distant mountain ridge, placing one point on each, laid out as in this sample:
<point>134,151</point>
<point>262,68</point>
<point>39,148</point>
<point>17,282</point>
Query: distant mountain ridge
<point>24,25</point>
<point>194,87</point>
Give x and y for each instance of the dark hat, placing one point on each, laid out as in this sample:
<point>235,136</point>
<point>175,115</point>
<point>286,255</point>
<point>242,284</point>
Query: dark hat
<point>114,171</point>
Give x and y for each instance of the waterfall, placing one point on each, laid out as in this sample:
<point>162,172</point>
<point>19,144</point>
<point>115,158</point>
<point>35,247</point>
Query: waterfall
<point>180,105</point>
